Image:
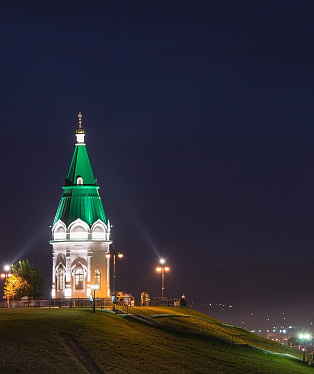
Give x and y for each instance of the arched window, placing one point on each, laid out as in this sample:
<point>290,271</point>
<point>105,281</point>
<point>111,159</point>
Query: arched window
<point>79,279</point>
<point>79,180</point>
<point>60,279</point>
<point>97,277</point>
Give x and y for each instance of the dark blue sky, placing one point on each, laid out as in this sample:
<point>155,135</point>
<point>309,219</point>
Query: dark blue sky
<point>199,120</point>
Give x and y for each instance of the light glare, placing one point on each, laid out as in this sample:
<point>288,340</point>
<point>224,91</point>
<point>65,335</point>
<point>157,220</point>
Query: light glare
<point>305,336</point>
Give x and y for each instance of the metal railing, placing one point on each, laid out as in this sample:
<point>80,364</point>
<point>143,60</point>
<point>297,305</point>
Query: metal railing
<point>86,302</point>
<point>57,303</point>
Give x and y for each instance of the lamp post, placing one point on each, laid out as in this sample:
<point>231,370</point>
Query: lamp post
<point>161,269</point>
<point>304,337</point>
<point>108,255</point>
<point>6,275</point>
<point>94,287</point>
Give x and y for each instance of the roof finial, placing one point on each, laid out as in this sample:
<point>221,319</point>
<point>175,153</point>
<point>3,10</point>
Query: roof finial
<point>80,129</point>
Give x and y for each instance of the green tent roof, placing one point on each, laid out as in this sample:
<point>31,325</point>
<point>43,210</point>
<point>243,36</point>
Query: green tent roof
<point>80,167</point>
<point>80,200</point>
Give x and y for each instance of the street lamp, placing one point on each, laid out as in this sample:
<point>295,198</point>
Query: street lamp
<point>6,275</point>
<point>161,269</point>
<point>108,255</point>
<point>7,268</point>
<point>304,337</point>
<point>94,287</point>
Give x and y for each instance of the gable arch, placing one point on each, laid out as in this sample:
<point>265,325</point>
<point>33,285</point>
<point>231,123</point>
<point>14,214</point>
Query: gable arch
<point>99,230</point>
<point>78,229</point>
<point>59,230</point>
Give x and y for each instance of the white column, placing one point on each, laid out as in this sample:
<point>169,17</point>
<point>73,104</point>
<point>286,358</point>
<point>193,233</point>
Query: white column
<point>108,272</point>
<point>89,270</point>
<point>68,277</point>
<point>53,290</point>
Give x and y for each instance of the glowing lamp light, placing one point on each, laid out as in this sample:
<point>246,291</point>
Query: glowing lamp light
<point>305,336</point>
<point>120,255</point>
<point>94,286</point>
<point>107,255</point>
<point>2,275</point>
<point>10,275</point>
<point>162,269</point>
<point>6,268</point>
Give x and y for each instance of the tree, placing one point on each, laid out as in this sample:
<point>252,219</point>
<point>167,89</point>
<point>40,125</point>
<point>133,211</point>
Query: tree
<point>32,276</point>
<point>15,287</point>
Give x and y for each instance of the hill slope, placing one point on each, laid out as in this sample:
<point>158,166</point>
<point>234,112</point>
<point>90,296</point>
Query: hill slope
<point>79,341</point>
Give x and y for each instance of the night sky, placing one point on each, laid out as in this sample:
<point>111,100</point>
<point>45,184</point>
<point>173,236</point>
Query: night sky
<point>199,120</point>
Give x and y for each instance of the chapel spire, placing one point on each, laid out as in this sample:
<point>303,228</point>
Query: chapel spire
<point>80,198</point>
<point>80,132</point>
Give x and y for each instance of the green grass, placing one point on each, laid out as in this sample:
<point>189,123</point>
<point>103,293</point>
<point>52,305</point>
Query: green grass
<point>192,321</point>
<point>31,342</point>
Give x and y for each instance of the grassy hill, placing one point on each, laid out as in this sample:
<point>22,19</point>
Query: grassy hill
<point>154,340</point>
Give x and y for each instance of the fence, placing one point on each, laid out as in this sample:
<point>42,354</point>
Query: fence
<point>56,303</point>
<point>104,303</point>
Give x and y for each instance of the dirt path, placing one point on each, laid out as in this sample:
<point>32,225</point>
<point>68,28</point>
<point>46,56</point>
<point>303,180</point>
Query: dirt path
<point>79,354</point>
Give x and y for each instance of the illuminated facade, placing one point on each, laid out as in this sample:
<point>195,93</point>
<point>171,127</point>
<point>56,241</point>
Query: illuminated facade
<point>80,232</point>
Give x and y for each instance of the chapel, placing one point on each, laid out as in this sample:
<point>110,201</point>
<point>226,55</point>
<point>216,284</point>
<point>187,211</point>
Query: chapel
<point>80,232</point>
